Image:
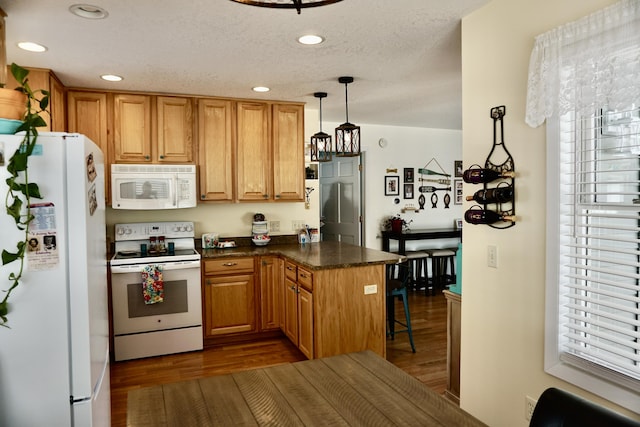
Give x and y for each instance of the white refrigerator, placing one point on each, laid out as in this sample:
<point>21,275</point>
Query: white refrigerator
<point>54,352</point>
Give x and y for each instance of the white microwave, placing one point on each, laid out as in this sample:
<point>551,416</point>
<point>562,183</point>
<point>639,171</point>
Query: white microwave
<point>152,187</point>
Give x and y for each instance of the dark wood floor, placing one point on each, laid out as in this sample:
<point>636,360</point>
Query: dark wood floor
<point>428,364</point>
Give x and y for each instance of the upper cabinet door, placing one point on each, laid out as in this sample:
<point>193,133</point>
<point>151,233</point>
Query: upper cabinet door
<point>288,152</point>
<point>58,105</point>
<point>215,145</point>
<point>87,114</point>
<point>132,125</point>
<point>253,151</point>
<point>175,129</point>
<point>43,79</point>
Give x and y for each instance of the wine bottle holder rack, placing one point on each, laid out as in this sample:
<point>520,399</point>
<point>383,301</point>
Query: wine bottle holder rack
<point>500,161</point>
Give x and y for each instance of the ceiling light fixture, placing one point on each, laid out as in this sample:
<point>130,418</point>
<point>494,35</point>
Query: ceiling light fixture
<point>32,47</point>
<point>310,39</point>
<point>287,4</point>
<point>321,142</point>
<point>347,134</point>
<point>88,11</point>
<point>260,89</point>
<point>111,78</point>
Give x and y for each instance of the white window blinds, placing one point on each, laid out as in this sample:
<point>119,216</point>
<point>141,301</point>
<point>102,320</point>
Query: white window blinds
<point>584,80</point>
<point>599,243</point>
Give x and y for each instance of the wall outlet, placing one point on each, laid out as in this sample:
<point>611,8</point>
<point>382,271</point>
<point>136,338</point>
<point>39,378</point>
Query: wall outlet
<point>297,224</point>
<point>370,289</point>
<point>529,406</point>
<point>274,226</point>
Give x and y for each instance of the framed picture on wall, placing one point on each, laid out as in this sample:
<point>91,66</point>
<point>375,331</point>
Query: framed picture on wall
<point>457,167</point>
<point>457,191</point>
<point>392,185</point>
<point>408,175</point>
<point>408,191</point>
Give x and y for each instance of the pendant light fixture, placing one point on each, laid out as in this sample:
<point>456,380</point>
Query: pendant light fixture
<point>321,142</point>
<point>347,134</point>
<point>287,4</point>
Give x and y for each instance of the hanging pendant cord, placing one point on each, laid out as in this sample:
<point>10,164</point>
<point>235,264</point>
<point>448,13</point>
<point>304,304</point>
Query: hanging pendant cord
<point>346,103</point>
<point>320,114</point>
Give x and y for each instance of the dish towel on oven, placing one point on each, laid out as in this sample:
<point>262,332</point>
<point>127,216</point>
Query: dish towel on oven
<point>152,285</point>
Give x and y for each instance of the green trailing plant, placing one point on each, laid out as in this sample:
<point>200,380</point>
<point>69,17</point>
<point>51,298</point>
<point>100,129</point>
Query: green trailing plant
<point>19,189</point>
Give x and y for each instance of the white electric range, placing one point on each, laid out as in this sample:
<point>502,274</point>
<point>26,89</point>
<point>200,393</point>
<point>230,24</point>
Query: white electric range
<point>174,325</point>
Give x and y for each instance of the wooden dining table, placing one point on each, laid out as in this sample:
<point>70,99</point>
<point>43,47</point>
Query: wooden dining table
<point>355,389</point>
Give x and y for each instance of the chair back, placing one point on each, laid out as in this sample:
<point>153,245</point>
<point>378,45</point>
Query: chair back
<point>398,275</point>
<point>558,408</point>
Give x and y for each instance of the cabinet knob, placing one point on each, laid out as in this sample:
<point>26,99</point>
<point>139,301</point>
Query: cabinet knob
<point>202,196</point>
<point>277,196</point>
<point>293,288</point>
<point>146,157</point>
<point>230,264</point>
<point>161,156</point>
<point>265,196</point>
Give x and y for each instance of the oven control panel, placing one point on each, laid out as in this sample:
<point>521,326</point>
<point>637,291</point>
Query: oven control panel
<point>145,230</point>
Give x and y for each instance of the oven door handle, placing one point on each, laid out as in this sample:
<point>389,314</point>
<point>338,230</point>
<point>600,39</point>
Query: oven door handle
<point>166,266</point>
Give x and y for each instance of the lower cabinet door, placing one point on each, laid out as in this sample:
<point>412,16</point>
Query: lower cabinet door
<point>230,304</point>
<point>305,322</point>
<point>291,310</point>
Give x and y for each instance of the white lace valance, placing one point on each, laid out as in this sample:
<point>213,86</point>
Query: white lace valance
<point>586,64</point>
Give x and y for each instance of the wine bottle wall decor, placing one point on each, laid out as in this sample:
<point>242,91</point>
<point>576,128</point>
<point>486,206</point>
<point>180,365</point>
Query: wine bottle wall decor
<point>496,204</point>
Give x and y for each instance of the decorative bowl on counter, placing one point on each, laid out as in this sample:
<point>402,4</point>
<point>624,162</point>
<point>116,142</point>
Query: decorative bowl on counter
<point>261,239</point>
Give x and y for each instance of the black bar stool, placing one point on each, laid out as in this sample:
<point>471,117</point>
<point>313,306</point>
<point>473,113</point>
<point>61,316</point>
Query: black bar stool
<point>398,277</point>
<point>442,262</point>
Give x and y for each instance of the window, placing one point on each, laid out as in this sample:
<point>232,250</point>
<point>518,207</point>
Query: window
<point>584,81</point>
<point>593,258</point>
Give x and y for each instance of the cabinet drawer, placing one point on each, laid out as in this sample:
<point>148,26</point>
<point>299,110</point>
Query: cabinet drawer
<point>229,265</point>
<point>291,271</point>
<point>305,279</point>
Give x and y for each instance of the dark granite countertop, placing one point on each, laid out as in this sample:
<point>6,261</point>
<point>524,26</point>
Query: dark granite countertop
<point>316,256</point>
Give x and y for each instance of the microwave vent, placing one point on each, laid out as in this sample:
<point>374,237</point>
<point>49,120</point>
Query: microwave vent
<point>120,168</point>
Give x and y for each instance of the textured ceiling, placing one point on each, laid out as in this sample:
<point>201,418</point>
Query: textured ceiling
<point>404,55</point>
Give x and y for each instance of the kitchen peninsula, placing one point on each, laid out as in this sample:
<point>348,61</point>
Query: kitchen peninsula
<point>327,297</point>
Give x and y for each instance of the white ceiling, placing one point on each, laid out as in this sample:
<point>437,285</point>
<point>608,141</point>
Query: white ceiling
<point>403,54</point>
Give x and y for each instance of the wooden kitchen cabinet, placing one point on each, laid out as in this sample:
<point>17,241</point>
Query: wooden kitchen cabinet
<point>298,308</point>
<point>253,151</point>
<point>288,152</point>
<point>454,311</point>
<point>215,149</point>
<point>270,152</point>
<point>87,114</point>
<point>44,79</point>
<point>174,139</point>
<point>152,129</point>
<point>270,286</point>
<point>229,296</point>
<point>132,128</point>
<point>305,321</point>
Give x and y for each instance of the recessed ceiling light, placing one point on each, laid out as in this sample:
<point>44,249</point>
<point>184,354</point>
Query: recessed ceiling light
<point>88,11</point>
<point>111,77</point>
<point>261,89</point>
<point>32,47</point>
<point>310,39</point>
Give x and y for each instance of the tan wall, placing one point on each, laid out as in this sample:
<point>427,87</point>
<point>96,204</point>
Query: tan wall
<point>503,308</point>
